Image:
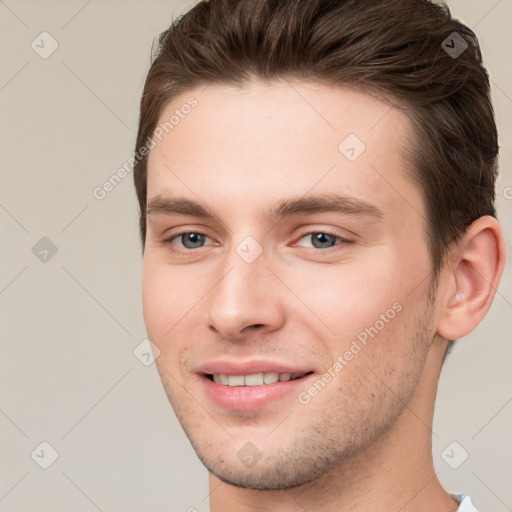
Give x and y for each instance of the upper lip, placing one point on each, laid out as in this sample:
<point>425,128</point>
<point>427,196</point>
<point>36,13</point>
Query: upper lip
<point>224,367</point>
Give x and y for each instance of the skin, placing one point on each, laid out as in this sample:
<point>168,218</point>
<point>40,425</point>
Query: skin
<point>364,441</point>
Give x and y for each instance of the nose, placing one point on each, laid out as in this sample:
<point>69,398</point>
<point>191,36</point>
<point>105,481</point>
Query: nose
<point>246,298</point>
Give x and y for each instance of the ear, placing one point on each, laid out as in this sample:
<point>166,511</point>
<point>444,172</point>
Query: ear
<point>473,275</point>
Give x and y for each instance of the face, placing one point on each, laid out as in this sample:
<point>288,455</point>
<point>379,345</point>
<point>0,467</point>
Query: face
<point>285,276</point>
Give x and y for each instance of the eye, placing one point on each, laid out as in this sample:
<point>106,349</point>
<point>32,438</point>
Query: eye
<point>324,239</point>
<point>188,240</point>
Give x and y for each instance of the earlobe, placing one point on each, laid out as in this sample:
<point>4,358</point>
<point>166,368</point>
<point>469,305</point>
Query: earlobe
<point>474,275</point>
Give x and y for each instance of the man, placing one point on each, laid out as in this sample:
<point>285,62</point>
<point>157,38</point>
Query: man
<point>316,184</point>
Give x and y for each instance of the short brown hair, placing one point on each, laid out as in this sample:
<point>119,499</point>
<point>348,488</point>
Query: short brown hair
<point>397,49</point>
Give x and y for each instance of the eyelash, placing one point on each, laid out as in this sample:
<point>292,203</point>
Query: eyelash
<point>343,241</point>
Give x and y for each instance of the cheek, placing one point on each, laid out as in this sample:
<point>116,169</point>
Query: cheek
<point>348,297</point>
<point>366,309</point>
<point>171,303</point>
<point>160,299</point>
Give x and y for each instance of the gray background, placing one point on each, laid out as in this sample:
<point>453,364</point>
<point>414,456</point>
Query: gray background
<point>70,323</point>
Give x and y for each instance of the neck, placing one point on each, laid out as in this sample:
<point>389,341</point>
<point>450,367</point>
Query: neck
<point>395,473</point>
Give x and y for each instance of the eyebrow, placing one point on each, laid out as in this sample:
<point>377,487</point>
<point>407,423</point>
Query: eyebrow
<point>321,203</point>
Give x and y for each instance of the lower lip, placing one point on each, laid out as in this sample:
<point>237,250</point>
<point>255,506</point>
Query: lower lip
<point>251,397</point>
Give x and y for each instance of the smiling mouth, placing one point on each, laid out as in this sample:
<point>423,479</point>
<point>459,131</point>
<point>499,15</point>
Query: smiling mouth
<point>255,379</point>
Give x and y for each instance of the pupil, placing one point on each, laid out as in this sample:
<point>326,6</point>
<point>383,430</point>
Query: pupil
<point>322,240</point>
<point>195,240</point>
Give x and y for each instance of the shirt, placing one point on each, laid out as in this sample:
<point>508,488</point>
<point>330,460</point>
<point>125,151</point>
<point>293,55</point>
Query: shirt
<point>465,503</point>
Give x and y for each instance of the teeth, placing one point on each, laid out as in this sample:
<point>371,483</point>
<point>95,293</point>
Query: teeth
<point>271,378</point>
<point>236,380</point>
<point>255,379</point>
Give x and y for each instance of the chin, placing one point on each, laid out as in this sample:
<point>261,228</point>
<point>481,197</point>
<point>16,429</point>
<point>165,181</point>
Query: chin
<point>264,479</point>
<point>281,470</point>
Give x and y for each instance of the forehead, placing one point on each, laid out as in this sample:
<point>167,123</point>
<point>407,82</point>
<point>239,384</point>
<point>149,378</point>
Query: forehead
<point>265,141</point>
